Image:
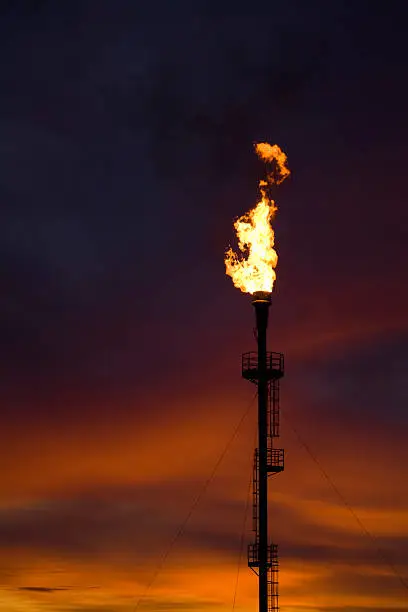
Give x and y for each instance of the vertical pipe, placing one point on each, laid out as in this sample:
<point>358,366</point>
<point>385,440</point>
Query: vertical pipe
<point>261,310</point>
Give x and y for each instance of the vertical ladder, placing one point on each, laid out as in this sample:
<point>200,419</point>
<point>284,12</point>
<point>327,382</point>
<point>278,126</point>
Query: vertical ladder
<point>273,579</point>
<point>273,409</point>
<point>255,498</point>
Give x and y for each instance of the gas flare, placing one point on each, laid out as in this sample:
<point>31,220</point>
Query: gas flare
<point>272,153</point>
<point>255,269</point>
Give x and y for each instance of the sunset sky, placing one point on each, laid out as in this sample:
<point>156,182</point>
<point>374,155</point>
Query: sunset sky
<point>126,152</point>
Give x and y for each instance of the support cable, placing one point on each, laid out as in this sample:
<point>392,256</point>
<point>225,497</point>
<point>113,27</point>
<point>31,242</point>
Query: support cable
<point>374,541</point>
<point>244,522</point>
<point>194,505</point>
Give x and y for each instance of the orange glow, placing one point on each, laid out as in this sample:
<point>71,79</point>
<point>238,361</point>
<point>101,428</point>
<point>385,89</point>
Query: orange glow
<point>256,238</point>
<point>108,567</point>
<point>120,491</point>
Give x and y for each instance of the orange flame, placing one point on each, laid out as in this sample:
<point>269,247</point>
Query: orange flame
<point>272,153</point>
<point>256,238</point>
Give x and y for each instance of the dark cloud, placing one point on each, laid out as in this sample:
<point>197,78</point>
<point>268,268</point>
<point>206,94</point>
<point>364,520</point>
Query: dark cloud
<point>127,519</point>
<point>152,604</point>
<point>42,589</point>
<point>363,383</point>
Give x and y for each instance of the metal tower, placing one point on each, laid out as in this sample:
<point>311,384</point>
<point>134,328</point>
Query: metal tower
<point>264,369</point>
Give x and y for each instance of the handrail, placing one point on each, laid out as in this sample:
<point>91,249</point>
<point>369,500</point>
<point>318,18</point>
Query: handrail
<point>274,361</point>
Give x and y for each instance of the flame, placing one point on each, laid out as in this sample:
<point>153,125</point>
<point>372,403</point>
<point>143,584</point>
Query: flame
<point>255,270</point>
<point>272,153</point>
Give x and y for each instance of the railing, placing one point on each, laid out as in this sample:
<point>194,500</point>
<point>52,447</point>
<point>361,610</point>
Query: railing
<point>274,364</point>
<point>253,555</point>
<point>275,459</point>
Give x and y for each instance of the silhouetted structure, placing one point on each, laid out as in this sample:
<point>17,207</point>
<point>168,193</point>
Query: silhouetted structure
<point>264,369</point>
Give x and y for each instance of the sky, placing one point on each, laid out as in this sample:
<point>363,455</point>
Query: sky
<point>126,152</point>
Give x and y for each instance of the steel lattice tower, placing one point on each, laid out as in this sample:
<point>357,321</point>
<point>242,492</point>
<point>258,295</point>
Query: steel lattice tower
<point>264,369</point>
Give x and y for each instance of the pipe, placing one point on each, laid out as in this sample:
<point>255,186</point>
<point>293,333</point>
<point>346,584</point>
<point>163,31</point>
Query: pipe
<point>261,302</point>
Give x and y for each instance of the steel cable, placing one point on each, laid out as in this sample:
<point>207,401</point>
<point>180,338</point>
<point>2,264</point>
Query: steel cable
<point>194,505</point>
<point>244,522</point>
<point>382,554</point>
